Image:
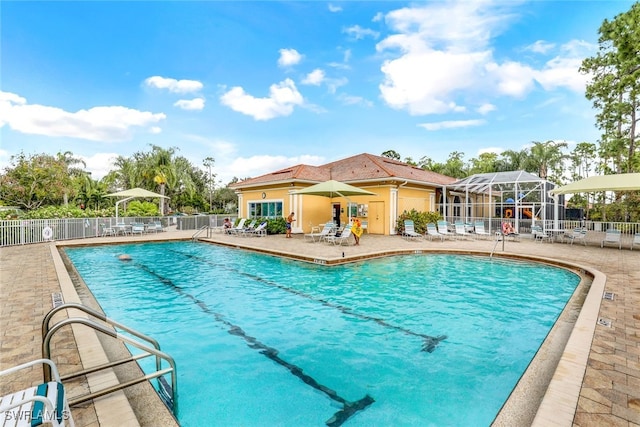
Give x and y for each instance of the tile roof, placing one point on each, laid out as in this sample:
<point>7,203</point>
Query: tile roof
<point>361,167</point>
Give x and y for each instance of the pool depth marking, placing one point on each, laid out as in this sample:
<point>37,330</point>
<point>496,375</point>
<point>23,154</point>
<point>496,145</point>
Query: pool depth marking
<point>430,342</point>
<point>348,409</point>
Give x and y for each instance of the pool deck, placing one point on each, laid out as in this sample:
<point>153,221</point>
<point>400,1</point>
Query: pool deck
<point>597,382</point>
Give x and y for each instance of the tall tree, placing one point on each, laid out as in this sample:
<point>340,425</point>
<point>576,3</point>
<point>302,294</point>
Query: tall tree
<point>615,89</point>
<point>547,157</point>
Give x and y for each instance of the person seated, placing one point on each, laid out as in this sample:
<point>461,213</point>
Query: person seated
<point>507,229</point>
<point>227,225</point>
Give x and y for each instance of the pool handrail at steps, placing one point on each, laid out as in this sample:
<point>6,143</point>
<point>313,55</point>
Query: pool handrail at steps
<point>200,230</point>
<point>151,348</point>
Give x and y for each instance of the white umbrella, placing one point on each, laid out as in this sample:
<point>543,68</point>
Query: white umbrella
<point>134,193</point>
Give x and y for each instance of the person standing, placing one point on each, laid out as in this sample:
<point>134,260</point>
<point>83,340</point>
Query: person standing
<point>290,220</point>
<point>356,229</point>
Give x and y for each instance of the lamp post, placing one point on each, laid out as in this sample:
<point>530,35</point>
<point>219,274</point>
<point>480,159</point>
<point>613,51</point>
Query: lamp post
<point>208,162</point>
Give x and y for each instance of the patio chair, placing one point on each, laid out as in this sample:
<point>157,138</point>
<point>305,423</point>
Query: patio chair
<point>326,231</point>
<point>45,403</point>
<point>635,241</point>
<point>107,230</point>
<point>612,236</point>
<point>238,228</point>
<point>461,230</point>
<point>409,232</point>
<point>432,232</point>
<point>578,234</point>
<point>259,231</point>
<point>344,237</point>
<point>480,231</point>
<point>442,229</point>
<point>539,235</point>
<point>137,228</point>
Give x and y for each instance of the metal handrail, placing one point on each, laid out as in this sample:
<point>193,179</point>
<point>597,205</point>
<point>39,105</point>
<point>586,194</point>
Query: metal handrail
<point>147,351</point>
<point>200,230</point>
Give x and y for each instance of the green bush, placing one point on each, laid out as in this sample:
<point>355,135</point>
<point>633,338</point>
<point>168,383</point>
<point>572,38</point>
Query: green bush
<point>141,208</point>
<point>420,220</point>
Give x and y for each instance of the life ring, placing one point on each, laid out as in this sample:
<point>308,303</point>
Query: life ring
<point>508,213</point>
<point>47,233</point>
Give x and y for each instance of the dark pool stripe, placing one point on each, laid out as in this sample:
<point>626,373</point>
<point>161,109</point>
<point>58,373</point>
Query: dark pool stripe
<point>348,409</point>
<point>430,342</point>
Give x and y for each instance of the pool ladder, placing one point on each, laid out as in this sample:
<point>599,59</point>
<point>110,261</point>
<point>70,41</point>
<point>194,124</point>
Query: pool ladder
<point>200,230</point>
<point>149,347</point>
<point>499,238</point>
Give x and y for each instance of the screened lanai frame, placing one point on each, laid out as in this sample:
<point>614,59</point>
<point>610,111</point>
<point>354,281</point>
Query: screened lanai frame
<point>509,193</point>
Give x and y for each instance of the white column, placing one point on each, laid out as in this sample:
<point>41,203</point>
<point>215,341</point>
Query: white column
<point>393,210</point>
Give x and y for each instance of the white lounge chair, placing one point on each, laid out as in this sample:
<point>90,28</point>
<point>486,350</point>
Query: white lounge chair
<point>137,228</point>
<point>108,230</point>
<point>480,231</point>
<point>461,230</point>
<point>635,241</point>
<point>344,237</point>
<point>326,231</point>
<point>238,228</point>
<point>612,236</point>
<point>432,232</point>
<point>578,234</point>
<point>409,232</point>
<point>442,229</point>
<point>43,404</point>
<point>259,231</point>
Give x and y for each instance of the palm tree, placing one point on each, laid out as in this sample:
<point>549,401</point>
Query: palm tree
<point>547,156</point>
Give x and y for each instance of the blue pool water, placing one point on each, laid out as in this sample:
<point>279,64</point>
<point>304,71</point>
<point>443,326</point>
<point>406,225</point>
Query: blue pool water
<point>423,340</point>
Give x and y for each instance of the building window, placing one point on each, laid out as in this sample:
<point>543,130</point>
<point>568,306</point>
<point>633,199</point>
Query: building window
<point>265,209</point>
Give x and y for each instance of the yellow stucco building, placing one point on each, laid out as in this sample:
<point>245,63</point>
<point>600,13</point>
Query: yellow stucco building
<point>398,187</point>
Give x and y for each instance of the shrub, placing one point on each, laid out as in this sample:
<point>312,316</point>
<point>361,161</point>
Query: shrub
<point>420,220</point>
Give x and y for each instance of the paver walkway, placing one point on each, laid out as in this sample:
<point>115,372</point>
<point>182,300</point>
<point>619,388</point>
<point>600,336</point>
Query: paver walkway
<point>610,392</point>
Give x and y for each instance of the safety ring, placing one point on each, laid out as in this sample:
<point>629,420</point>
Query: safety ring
<point>47,233</point>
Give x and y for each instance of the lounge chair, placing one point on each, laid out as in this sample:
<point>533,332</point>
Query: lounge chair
<point>344,237</point>
<point>409,232</point>
<point>137,228</point>
<point>635,241</point>
<point>461,230</point>
<point>259,231</point>
<point>432,232</point>
<point>479,230</point>
<point>612,236</point>
<point>43,404</point>
<point>578,234</point>
<point>238,228</point>
<point>442,229</point>
<point>326,231</point>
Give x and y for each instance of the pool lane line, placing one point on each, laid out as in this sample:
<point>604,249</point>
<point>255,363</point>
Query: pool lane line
<point>348,409</point>
<point>430,342</point>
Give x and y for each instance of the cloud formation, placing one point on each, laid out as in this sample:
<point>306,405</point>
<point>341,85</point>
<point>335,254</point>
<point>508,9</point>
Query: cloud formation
<point>106,124</point>
<point>289,57</point>
<point>451,124</point>
<point>190,104</point>
<point>283,97</point>
<point>173,85</point>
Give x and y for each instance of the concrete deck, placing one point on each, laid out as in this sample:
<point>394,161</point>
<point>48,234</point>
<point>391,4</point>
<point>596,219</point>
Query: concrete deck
<point>596,383</point>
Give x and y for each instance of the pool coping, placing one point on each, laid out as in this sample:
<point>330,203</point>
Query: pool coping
<point>559,403</point>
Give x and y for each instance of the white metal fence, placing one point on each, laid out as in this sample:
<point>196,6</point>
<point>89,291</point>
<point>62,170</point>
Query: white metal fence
<point>24,232</point>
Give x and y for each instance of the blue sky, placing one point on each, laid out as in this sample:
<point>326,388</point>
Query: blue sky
<point>264,85</point>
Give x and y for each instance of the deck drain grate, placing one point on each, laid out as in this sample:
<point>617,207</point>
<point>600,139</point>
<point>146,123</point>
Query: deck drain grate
<point>608,295</point>
<point>56,299</point>
<point>604,322</point>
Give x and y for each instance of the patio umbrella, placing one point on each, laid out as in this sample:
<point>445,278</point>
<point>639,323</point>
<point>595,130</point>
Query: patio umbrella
<point>617,182</point>
<point>333,188</point>
<point>134,193</point>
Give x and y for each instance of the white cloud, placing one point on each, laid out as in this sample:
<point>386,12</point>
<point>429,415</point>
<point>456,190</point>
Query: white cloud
<point>333,8</point>
<point>173,85</point>
<point>496,150</point>
<point>289,57</point>
<point>316,77</point>
<point>190,104</point>
<point>451,124</point>
<point>359,33</point>
<point>540,46</point>
<point>155,130</point>
<point>441,53</point>
<point>112,123</point>
<point>486,108</point>
<point>355,100</point>
<point>283,97</point>
<point>99,164</point>
<point>245,167</point>
<point>378,17</point>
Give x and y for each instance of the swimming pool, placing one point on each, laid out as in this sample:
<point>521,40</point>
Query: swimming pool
<point>261,340</point>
